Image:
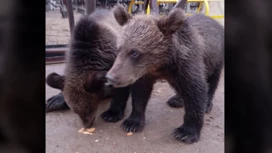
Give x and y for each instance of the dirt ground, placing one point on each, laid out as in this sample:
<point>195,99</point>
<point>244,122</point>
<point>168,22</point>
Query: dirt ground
<point>62,127</point>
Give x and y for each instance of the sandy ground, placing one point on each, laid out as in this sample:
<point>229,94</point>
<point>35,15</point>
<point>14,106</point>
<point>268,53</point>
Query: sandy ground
<point>62,127</point>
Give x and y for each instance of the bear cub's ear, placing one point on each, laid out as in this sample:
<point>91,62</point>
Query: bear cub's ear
<point>95,82</point>
<point>121,15</point>
<point>55,80</point>
<point>172,22</point>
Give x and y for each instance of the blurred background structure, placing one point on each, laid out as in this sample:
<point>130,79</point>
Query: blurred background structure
<point>61,16</point>
<point>57,16</point>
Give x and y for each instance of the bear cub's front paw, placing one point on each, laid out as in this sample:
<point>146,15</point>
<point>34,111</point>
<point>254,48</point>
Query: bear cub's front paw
<point>185,135</point>
<point>133,125</point>
<point>112,116</point>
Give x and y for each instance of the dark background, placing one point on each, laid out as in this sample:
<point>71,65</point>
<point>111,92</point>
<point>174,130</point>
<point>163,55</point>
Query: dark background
<point>248,72</point>
<point>248,86</point>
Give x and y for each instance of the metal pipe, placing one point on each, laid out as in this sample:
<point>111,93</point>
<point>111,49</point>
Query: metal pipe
<point>90,6</point>
<point>56,51</point>
<point>55,60</point>
<point>154,6</point>
<point>55,55</point>
<point>70,15</point>
<point>180,4</point>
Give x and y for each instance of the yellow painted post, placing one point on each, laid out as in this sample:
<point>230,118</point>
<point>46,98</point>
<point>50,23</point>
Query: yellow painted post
<point>207,7</point>
<point>130,6</point>
<point>148,9</point>
<point>199,7</point>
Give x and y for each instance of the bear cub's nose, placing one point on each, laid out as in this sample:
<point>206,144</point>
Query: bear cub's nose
<point>111,80</point>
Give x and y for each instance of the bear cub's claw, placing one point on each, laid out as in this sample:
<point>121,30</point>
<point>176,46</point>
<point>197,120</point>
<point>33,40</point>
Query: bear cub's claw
<point>209,108</point>
<point>175,102</point>
<point>112,116</point>
<point>185,136</point>
<point>133,125</point>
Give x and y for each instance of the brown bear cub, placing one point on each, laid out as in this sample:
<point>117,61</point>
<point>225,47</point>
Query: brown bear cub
<point>186,51</point>
<point>92,52</point>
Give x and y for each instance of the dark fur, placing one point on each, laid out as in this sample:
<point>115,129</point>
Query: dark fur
<point>187,52</point>
<point>55,80</point>
<point>92,53</point>
<point>56,102</point>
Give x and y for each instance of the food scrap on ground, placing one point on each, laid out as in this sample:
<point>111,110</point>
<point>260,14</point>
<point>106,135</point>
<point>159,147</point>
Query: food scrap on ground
<point>130,133</point>
<point>86,131</point>
<point>81,130</point>
<point>90,130</point>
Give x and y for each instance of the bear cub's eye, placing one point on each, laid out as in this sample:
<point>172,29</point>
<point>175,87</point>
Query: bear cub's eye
<point>134,53</point>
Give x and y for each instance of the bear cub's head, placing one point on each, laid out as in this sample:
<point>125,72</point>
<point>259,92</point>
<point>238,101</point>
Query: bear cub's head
<point>142,44</point>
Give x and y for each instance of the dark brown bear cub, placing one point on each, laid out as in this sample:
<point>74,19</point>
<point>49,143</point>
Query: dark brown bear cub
<point>91,54</point>
<point>186,51</point>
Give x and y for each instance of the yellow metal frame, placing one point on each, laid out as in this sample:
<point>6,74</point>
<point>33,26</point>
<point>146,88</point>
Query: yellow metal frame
<point>207,7</point>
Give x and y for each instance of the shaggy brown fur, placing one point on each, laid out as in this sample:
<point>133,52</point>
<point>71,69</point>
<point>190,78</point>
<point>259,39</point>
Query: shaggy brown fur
<point>187,52</point>
<point>92,53</point>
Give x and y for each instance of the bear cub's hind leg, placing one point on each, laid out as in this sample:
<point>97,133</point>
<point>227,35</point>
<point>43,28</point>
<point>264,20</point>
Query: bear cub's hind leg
<point>213,81</point>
